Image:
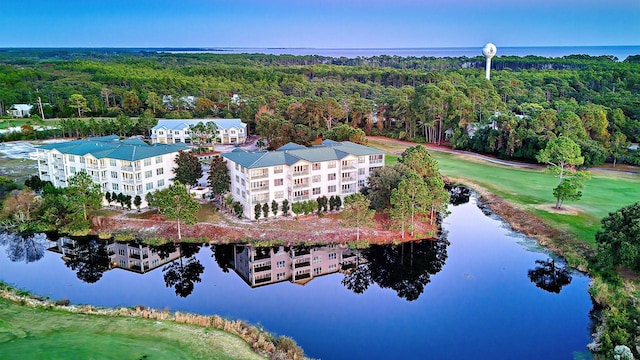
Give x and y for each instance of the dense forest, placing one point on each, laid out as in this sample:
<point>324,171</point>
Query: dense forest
<point>592,100</point>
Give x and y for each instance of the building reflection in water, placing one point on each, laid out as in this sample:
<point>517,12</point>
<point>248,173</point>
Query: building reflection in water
<point>133,256</point>
<point>259,266</point>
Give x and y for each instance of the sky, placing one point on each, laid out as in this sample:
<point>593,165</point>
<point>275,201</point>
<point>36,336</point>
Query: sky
<point>318,24</point>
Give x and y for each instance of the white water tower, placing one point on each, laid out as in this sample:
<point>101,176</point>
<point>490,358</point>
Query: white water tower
<point>489,51</point>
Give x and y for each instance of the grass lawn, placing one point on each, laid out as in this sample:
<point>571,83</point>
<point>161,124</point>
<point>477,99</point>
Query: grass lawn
<point>532,189</point>
<point>30,333</point>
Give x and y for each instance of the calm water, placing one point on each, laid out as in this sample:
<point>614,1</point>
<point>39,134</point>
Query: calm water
<point>479,294</point>
<point>621,52</point>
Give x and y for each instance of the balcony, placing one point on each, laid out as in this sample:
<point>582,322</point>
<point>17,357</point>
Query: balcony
<point>96,166</point>
<point>300,198</point>
<point>262,268</point>
<point>349,179</point>
<point>301,185</point>
<point>131,181</point>
<point>263,280</point>
<point>300,264</point>
<point>263,175</point>
<point>260,188</point>
<point>130,168</point>
<point>300,173</point>
<point>349,166</point>
<point>135,255</point>
<point>377,161</point>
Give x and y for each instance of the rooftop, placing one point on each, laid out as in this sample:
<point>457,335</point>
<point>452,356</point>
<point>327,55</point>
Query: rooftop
<point>292,153</point>
<point>111,147</point>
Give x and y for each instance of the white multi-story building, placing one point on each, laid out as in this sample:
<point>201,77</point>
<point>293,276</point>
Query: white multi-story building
<point>298,173</point>
<point>130,166</point>
<point>229,131</point>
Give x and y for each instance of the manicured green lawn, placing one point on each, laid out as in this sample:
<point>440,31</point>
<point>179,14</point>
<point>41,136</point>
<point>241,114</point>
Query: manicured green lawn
<point>29,333</point>
<point>532,189</point>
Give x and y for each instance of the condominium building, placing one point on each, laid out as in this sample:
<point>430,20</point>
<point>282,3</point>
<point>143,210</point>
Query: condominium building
<point>229,131</point>
<point>297,264</point>
<point>298,173</point>
<point>130,166</point>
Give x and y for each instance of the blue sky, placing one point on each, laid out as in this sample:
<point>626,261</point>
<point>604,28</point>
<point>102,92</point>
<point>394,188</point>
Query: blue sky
<point>320,24</point>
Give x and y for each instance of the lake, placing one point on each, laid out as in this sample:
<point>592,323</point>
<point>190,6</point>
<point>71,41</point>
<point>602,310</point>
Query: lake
<point>481,291</point>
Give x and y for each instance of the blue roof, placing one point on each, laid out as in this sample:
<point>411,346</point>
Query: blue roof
<point>111,147</point>
<point>292,153</point>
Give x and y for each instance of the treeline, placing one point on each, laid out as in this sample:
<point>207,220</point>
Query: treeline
<point>529,100</point>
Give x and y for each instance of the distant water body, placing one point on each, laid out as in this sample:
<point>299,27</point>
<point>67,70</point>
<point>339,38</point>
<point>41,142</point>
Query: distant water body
<point>621,52</point>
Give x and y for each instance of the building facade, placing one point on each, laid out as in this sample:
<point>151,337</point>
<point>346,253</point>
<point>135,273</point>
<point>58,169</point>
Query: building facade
<point>131,166</point>
<point>298,173</point>
<point>228,131</point>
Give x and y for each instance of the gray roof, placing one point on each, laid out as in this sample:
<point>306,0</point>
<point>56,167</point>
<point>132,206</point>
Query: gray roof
<point>110,147</point>
<point>179,124</point>
<point>292,153</point>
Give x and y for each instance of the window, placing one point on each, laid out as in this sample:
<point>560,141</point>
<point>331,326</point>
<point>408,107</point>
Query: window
<point>316,178</point>
<point>317,259</point>
<point>333,267</point>
<point>361,159</point>
<point>331,177</point>
<point>332,256</point>
<point>278,182</point>
<point>316,191</point>
<point>237,178</point>
<point>161,183</point>
<point>331,165</point>
<point>72,158</point>
<point>147,162</point>
<point>158,159</point>
<point>112,162</point>
<point>360,183</point>
<point>149,186</point>
<point>361,171</point>
<point>279,194</point>
<point>115,187</point>
<point>331,189</point>
<point>114,174</point>
<point>148,174</point>
<point>73,169</point>
<point>159,171</point>
<point>82,160</point>
<point>317,271</point>
<point>375,159</point>
<point>280,276</point>
<point>315,166</point>
<point>277,170</point>
<point>237,166</point>
<point>280,264</point>
<point>242,182</point>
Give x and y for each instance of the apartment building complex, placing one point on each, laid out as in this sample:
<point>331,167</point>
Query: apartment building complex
<point>130,166</point>
<point>229,131</point>
<point>298,173</point>
<point>297,264</point>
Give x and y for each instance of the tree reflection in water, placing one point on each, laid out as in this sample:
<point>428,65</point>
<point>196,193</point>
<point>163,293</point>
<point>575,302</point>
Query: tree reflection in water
<point>223,254</point>
<point>24,248</point>
<point>404,268</point>
<point>549,277</point>
<point>184,272</point>
<point>90,260</point>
